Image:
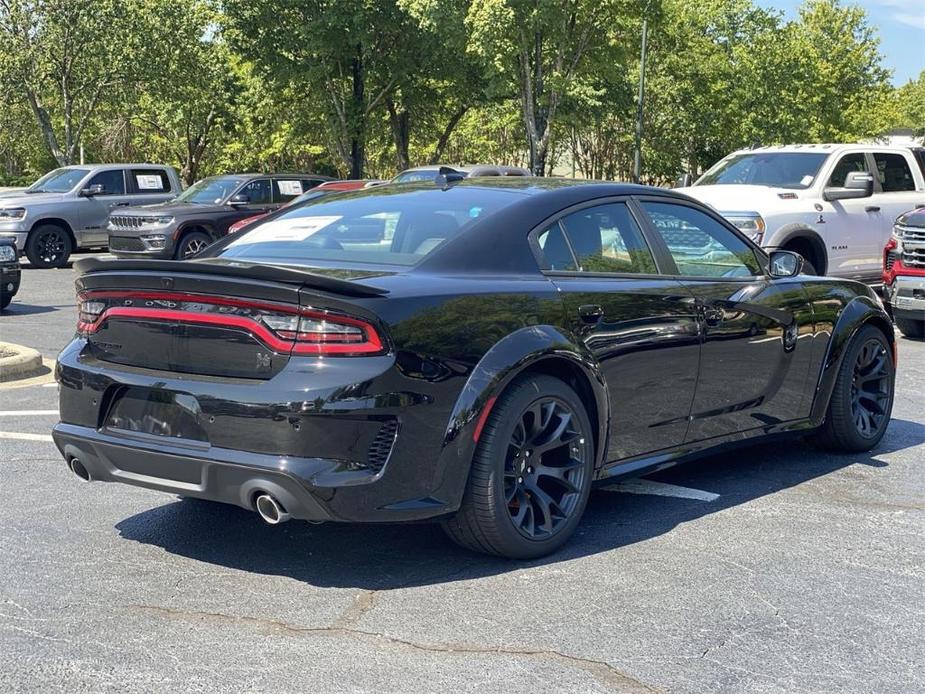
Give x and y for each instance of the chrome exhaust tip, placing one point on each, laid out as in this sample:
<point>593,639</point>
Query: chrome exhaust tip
<point>271,510</point>
<point>78,469</point>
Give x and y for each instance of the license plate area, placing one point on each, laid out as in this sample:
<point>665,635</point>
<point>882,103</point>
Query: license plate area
<point>156,412</point>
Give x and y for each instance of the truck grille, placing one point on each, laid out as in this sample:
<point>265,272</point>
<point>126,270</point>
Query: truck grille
<point>125,221</point>
<point>125,243</point>
<point>913,244</point>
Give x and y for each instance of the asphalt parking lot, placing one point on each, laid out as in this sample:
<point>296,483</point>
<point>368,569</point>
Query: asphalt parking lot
<point>775,568</point>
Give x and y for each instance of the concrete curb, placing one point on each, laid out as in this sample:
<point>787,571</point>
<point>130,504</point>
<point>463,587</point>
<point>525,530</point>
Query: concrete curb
<point>23,363</point>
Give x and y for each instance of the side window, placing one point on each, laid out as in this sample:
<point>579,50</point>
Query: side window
<point>309,183</point>
<point>149,181</point>
<point>606,238</point>
<point>556,253</point>
<point>286,189</point>
<point>258,191</point>
<point>701,246</point>
<point>113,182</point>
<point>893,172</point>
<point>849,163</point>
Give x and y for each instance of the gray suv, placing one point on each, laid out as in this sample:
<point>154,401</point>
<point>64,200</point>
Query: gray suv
<point>69,207</point>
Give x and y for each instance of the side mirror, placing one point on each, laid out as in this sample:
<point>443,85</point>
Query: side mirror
<point>239,199</point>
<point>683,181</point>
<point>858,184</point>
<point>785,264</point>
<point>90,191</point>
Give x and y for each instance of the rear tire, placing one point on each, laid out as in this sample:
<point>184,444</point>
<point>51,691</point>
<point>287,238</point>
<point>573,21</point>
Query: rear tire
<point>862,400</point>
<point>914,329</point>
<point>531,472</point>
<point>191,244</point>
<point>48,245</point>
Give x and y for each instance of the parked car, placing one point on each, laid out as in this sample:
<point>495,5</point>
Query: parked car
<point>427,173</point>
<point>9,270</point>
<point>68,208</point>
<point>904,273</point>
<point>495,350</point>
<point>201,214</point>
<point>832,204</point>
<point>326,187</point>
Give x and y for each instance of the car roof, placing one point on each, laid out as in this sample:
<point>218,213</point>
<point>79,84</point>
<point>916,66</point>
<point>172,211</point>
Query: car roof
<point>116,165</point>
<point>824,148</point>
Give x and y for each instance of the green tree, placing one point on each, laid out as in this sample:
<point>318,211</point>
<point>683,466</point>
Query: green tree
<point>540,47</point>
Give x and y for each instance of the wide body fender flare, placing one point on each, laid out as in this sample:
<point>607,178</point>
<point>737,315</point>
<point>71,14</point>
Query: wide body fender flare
<point>857,313</point>
<point>544,348</point>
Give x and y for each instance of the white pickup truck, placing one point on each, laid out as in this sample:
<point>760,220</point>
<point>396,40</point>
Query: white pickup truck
<point>833,204</point>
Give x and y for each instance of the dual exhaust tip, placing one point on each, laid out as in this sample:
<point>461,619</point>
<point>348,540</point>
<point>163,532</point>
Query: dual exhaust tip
<point>268,507</point>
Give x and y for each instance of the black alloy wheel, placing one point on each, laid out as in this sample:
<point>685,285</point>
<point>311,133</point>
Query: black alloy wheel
<point>531,473</point>
<point>862,399</point>
<point>48,246</point>
<point>544,470</point>
<point>870,388</point>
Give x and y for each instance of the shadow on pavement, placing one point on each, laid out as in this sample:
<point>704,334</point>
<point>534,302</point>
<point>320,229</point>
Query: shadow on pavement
<point>383,557</point>
<point>17,308</point>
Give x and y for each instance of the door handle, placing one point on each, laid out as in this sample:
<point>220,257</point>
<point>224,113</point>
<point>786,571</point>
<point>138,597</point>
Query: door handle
<point>710,314</point>
<point>591,313</point>
<point>872,208</point>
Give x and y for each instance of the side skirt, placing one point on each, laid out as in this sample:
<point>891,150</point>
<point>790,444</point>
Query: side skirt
<point>693,450</point>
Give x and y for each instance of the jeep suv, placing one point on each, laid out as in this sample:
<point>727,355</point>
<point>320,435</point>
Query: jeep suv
<point>833,204</point>
<point>201,214</point>
<point>68,208</point>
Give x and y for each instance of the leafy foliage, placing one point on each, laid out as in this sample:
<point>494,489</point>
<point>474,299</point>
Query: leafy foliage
<point>368,87</point>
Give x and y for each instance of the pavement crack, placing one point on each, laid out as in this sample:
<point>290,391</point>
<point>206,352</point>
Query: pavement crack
<point>602,671</point>
<point>362,603</point>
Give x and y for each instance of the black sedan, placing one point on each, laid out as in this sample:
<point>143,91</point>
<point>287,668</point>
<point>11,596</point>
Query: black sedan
<point>478,353</point>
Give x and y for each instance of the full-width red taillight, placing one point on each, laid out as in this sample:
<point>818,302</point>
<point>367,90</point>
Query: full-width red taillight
<point>281,327</point>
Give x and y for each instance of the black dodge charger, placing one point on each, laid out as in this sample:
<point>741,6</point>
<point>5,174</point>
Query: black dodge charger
<point>477,352</point>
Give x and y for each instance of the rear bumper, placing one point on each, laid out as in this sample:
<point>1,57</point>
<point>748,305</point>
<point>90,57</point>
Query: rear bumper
<point>343,441</point>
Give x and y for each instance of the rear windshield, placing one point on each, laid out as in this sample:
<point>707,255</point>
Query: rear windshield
<point>382,226</point>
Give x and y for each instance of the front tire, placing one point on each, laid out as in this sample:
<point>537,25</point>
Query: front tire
<point>531,472</point>
<point>914,329</point>
<point>862,399</point>
<point>191,244</point>
<point>48,245</point>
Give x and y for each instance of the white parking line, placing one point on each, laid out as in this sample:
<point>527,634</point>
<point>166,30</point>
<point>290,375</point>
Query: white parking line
<point>642,486</point>
<point>34,413</point>
<point>25,437</point>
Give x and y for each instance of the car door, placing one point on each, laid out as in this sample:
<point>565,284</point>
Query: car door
<point>755,353</point>
<point>896,193</point>
<point>259,201</point>
<point>851,228</point>
<point>94,210</point>
<point>639,326</point>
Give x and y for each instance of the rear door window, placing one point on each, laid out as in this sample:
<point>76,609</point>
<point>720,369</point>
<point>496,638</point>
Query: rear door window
<point>113,182</point>
<point>287,189</point>
<point>894,172</point>
<point>149,181</point>
<point>606,238</point>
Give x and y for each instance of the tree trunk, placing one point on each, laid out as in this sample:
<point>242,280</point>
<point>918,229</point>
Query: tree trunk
<point>401,134</point>
<point>48,132</point>
<point>358,137</point>
<point>445,135</point>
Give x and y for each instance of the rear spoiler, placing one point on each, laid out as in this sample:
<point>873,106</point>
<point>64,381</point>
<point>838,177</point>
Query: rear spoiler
<point>257,271</point>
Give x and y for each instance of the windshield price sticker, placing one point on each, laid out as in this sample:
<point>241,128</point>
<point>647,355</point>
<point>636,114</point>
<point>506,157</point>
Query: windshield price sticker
<point>149,182</point>
<point>290,187</point>
<point>285,230</point>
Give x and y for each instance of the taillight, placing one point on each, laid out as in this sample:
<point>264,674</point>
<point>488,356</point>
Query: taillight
<point>283,328</point>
